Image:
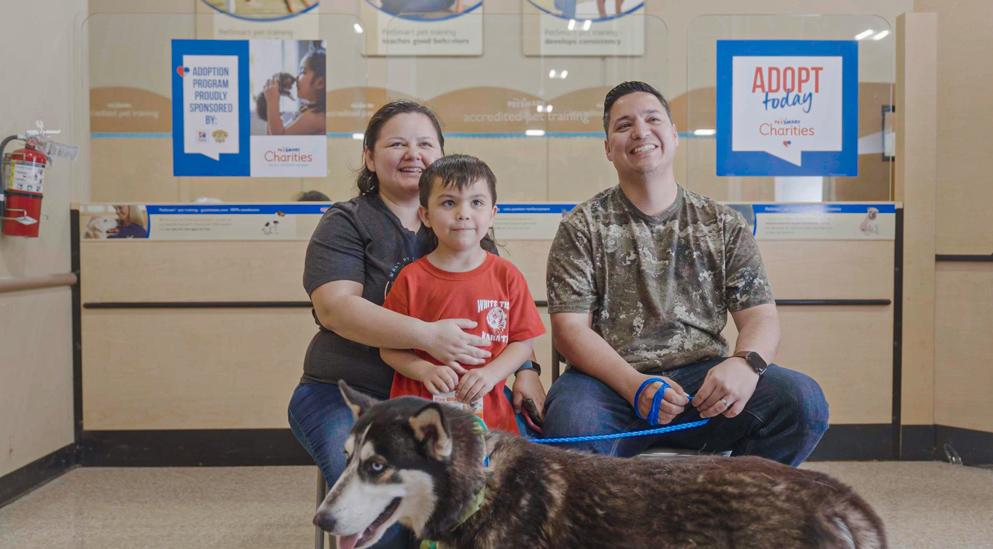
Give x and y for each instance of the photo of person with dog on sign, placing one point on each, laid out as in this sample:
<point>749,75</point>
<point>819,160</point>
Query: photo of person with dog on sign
<point>641,279</point>
<point>459,279</point>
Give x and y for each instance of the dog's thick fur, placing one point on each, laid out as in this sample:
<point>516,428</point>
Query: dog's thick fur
<point>420,463</point>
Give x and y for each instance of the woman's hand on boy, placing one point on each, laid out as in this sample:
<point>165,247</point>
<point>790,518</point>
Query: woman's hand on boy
<point>474,384</point>
<point>448,342</point>
<point>440,379</point>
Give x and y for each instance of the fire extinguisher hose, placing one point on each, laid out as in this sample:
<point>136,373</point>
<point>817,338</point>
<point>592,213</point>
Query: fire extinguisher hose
<point>3,144</point>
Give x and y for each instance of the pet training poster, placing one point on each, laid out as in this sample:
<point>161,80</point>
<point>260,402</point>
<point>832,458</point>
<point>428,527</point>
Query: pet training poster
<point>584,28</point>
<point>421,27</point>
<point>249,108</point>
<point>787,108</point>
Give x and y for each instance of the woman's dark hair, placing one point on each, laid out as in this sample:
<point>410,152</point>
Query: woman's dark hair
<point>315,61</point>
<point>367,181</point>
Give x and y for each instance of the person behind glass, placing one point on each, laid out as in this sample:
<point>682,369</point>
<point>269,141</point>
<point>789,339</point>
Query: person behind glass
<point>130,222</point>
<point>356,251</point>
<point>311,93</point>
<point>641,279</point>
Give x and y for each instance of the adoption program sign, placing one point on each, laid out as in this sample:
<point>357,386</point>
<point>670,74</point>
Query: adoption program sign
<point>787,108</point>
<point>215,125</point>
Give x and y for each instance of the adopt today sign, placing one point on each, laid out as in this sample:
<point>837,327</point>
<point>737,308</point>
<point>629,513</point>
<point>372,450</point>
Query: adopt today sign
<point>787,108</point>
<point>217,126</point>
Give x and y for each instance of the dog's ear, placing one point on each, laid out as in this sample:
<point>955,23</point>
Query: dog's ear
<point>356,401</point>
<point>431,429</point>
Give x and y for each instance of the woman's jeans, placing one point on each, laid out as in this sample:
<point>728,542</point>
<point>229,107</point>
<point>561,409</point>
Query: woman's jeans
<point>783,421</point>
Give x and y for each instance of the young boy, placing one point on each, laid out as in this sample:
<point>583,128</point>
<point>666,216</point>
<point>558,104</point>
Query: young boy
<point>461,280</point>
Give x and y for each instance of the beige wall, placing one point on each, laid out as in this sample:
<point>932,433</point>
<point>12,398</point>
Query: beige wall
<point>963,377</point>
<point>965,74</point>
<point>235,368</point>
<point>916,101</point>
<point>36,412</point>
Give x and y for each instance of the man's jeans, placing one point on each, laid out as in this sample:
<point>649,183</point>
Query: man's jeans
<point>783,421</point>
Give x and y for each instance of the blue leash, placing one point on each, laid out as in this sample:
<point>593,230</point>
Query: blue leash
<point>652,419</point>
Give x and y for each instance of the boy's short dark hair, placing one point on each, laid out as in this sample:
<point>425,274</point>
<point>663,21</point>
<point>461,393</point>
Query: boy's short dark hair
<point>625,88</point>
<point>459,171</point>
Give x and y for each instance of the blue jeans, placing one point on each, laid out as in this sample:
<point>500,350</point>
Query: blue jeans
<point>320,421</point>
<point>783,421</point>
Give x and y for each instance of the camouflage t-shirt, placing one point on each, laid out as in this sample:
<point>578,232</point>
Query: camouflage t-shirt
<point>659,288</point>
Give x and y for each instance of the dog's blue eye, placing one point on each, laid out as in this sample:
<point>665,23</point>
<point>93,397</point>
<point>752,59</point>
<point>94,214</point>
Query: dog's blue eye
<point>376,467</point>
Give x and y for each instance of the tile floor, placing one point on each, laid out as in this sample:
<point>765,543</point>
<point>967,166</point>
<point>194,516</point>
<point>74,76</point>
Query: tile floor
<point>924,504</point>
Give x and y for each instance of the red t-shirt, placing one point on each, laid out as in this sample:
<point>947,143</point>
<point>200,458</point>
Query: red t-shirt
<point>495,295</point>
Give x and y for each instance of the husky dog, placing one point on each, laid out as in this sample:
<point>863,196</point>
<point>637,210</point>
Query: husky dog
<point>422,464</point>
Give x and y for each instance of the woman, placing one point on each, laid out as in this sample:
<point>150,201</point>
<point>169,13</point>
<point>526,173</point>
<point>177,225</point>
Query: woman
<point>311,86</point>
<point>130,222</point>
<point>355,252</point>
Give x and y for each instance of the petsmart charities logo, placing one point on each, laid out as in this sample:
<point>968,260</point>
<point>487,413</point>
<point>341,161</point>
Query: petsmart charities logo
<point>785,105</point>
<point>292,155</point>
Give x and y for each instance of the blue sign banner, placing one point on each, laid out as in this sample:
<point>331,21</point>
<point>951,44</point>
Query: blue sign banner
<point>210,114</point>
<point>787,108</point>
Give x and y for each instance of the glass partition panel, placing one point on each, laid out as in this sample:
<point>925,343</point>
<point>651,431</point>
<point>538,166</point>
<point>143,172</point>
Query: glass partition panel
<point>536,119</point>
<point>876,78</point>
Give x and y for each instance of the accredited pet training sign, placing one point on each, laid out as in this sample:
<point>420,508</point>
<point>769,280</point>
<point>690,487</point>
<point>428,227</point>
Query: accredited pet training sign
<point>787,108</point>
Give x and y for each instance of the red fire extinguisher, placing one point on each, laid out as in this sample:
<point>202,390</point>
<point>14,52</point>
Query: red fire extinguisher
<point>22,176</point>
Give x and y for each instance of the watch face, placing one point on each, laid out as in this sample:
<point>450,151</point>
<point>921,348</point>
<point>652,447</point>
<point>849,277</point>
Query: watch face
<point>756,362</point>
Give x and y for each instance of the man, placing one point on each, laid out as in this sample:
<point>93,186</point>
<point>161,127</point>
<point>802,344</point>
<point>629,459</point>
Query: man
<point>640,281</point>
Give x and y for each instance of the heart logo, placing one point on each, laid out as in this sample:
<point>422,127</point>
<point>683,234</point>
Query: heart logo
<point>787,143</point>
<point>181,71</point>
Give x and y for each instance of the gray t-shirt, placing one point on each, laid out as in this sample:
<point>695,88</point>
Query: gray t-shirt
<point>659,288</point>
<point>363,241</point>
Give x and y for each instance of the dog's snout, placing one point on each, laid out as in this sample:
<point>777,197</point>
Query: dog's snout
<point>324,521</point>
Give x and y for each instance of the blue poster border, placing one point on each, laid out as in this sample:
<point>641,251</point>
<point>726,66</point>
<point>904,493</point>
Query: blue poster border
<point>195,164</point>
<point>813,163</point>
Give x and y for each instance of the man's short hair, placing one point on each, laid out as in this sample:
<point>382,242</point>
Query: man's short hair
<point>456,170</point>
<point>625,88</point>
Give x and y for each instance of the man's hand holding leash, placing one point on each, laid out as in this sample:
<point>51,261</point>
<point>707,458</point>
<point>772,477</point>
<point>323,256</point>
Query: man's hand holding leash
<point>674,400</point>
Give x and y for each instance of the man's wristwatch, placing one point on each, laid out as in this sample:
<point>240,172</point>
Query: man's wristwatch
<point>754,360</point>
<point>530,365</point>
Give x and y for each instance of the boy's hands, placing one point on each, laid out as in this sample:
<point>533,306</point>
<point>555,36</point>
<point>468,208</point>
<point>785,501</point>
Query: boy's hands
<point>474,384</point>
<point>440,379</point>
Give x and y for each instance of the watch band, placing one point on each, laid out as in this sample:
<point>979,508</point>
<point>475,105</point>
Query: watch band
<point>531,365</point>
<point>754,360</point>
